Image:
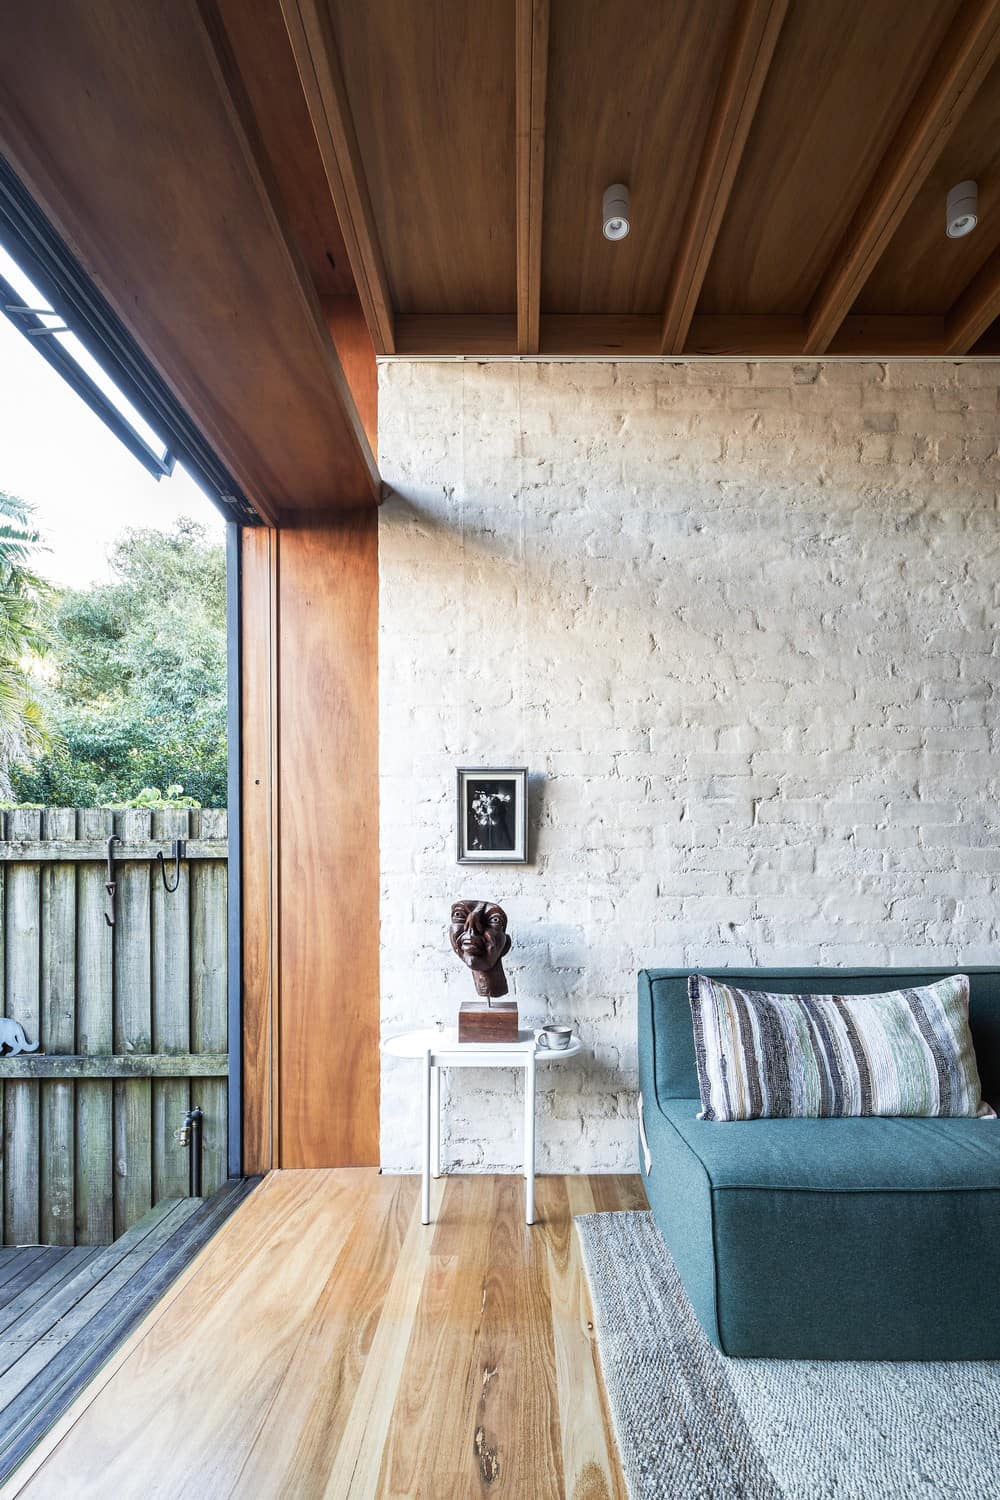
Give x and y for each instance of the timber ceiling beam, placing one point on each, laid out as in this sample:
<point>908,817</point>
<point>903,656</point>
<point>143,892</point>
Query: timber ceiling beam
<point>970,49</point>
<point>613,336</point>
<point>244,125</point>
<point>755,36</point>
<point>975,310</point>
<point>313,42</point>
<point>532,45</point>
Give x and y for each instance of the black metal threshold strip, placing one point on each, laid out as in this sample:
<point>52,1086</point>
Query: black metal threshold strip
<point>64,1312</point>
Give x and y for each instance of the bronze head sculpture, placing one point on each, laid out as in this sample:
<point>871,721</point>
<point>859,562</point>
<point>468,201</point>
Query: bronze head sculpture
<point>479,936</point>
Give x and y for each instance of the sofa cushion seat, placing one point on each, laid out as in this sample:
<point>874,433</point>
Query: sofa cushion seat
<point>832,1239</point>
<point>842,1155</point>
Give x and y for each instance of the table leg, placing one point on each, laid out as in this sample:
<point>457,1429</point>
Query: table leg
<point>529,1139</point>
<point>425,1194</point>
<point>436,1121</point>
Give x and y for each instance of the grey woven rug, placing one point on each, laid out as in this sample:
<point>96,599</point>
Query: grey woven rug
<point>693,1425</point>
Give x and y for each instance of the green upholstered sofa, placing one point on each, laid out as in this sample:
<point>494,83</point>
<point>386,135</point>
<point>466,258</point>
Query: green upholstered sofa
<point>824,1239</point>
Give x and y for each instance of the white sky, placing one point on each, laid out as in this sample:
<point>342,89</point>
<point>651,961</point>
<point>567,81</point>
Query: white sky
<point>87,487</point>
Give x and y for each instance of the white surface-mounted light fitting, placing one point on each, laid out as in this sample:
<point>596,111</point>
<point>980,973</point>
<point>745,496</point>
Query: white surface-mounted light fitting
<point>963,210</point>
<point>615,210</point>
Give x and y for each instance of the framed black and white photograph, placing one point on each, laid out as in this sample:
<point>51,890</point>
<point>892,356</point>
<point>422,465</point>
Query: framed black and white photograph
<point>493,817</point>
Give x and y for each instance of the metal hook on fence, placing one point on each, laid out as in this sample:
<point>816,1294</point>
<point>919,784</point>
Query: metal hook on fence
<point>178,855</point>
<point>111,885</point>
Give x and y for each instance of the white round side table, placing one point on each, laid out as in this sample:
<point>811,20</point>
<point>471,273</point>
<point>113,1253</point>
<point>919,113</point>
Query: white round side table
<point>442,1049</point>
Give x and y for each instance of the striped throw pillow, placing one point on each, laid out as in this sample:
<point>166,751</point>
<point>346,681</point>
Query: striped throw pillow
<point>763,1056</point>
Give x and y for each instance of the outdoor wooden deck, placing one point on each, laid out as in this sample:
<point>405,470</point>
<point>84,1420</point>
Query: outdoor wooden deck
<point>327,1344</point>
<point>63,1311</point>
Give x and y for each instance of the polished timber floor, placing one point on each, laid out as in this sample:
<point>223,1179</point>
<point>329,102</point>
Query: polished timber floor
<point>327,1344</point>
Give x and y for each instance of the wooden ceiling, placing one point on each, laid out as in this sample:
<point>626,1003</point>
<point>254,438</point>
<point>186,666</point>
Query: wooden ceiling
<point>135,131</point>
<point>788,162</point>
<point>270,191</point>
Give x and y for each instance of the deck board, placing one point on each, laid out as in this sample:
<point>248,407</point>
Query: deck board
<point>12,1263</point>
<point>50,1276</point>
<point>345,1351</point>
<point>39,1265</point>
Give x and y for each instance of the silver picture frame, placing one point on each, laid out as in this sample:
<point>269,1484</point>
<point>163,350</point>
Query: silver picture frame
<point>492,815</point>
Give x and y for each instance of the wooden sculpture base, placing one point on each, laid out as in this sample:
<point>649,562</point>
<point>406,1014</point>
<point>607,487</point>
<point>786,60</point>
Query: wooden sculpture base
<point>479,1021</point>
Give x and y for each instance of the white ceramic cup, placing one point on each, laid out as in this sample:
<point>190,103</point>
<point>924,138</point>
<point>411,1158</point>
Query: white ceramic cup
<point>554,1038</point>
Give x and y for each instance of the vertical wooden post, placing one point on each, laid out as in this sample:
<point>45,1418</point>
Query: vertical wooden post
<point>171,1015</point>
<point>57,1032</point>
<point>133,1029</point>
<point>95,1223</point>
<point>209,1030</point>
<point>23,996</point>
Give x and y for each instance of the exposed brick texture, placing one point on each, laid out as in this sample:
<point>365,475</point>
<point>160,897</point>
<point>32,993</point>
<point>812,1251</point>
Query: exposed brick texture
<point>741,623</point>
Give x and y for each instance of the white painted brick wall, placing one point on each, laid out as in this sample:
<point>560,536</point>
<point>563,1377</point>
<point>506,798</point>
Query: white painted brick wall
<point>741,623</point>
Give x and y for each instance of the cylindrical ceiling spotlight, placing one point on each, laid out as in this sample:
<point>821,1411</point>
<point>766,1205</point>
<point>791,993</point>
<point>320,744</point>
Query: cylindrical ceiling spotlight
<point>963,210</point>
<point>615,209</point>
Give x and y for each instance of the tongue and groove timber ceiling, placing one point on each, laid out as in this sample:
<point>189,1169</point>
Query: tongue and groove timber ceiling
<point>272,191</point>
<point>788,162</point>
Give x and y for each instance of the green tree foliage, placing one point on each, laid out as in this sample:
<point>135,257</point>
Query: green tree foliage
<point>136,692</point>
<point>24,599</point>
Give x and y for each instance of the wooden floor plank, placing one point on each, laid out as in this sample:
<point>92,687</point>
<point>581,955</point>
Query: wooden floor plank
<point>631,1193</point>
<point>581,1200</point>
<point>357,1465</point>
<point>298,1440</point>
<point>516,1421</point>
<point>614,1192</point>
<point>424,1453</point>
<point>329,1345</point>
<point>589,1460</point>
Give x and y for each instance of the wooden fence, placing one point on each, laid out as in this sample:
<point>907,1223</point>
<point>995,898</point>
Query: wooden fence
<point>131,1020</point>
